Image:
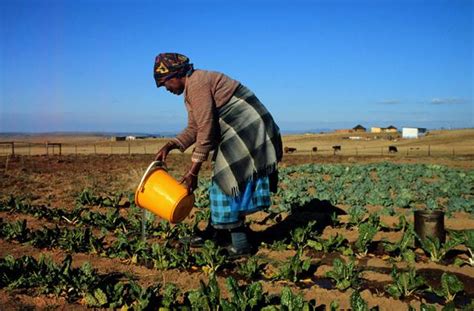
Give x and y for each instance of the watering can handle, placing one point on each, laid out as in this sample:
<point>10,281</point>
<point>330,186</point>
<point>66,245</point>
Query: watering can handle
<point>150,167</point>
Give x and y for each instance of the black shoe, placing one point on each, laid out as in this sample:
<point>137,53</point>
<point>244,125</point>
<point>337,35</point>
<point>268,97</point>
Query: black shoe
<point>219,237</point>
<point>193,241</point>
<point>234,253</point>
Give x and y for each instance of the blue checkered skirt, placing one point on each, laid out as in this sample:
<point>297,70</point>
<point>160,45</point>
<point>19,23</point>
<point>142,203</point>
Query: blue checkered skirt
<point>228,212</point>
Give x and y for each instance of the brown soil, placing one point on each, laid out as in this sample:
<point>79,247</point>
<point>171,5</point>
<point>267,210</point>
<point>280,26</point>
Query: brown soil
<point>56,181</point>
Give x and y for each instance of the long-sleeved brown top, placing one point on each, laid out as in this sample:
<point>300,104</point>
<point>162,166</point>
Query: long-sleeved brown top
<point>205,91</point>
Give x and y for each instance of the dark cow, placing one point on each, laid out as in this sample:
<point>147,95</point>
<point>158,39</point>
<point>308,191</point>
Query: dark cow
<point>336,148</point>
<point>315,149</point>
<point>392,149</point>
<point>289,149</point>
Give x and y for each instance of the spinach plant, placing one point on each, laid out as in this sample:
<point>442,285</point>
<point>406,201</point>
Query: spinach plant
<point>210,256</point>
<point>247,298</point>
<point>357,302</point>
<point>335,242</point>
<point>344,274</point>
<point>367,232</point>
<point>438,250</point>
<point>290,301</point>
<point>300,236</point>
<point>405,283</point>
<point>294,267</point>
<point>450,287</point>
<point>356,215</point>
<point>250,268</point>
<point>403,248</point>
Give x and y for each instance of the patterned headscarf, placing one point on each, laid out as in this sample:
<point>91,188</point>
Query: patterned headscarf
<point>169,65</point>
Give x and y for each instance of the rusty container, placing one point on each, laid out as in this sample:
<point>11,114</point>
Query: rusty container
<point>429,223</point>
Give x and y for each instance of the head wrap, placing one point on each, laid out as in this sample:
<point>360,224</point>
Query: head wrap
<point>170,65</point>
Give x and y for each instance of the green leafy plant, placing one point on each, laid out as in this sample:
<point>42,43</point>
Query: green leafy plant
<point>207,297</point>
<point>250,268</point>
<point>96,299</point>
<point>357,302</point>
<point>17,230</point>
<point>335,242</point>
<point>163,257</point>
<point>450,287</point>
<point>290,301</point>
<point>246,298</point>
<point>438,250</point>
<point>300,236</point>
<point>405,283</point>
<point>402,224</point>
<point>344,274</point>
<point>403,248</point>
<point>367,232</point>
<point>356,215</point>
<point>210,256</point>
<point>294,267</point>
<point>170,296</point>
<point>469,243</point>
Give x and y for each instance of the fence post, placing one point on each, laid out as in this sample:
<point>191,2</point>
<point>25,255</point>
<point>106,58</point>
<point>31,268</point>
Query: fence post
<point>128,147</point>
<point>13,148</point>
<point>144,148</point>
<point>429,150</point>
<point>29,149</point>
<point>47,151</point>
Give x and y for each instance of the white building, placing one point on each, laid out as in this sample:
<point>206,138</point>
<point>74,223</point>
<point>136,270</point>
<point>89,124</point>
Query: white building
<point>413,132</point>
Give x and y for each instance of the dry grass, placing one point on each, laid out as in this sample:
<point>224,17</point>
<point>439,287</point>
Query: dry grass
<point>441,143</point>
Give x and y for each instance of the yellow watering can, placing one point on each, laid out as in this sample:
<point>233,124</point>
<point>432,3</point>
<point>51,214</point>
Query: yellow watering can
<point>163,195</point>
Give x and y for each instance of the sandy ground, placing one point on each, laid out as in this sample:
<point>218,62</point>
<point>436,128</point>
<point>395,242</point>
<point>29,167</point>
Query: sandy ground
<point>57,180</point>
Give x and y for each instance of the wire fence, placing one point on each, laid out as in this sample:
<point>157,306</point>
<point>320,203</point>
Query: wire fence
<point>30,149</point>
<point>143,147</point>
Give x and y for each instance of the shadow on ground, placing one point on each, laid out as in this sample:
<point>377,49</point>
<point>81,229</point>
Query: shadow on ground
<point>315,210</point>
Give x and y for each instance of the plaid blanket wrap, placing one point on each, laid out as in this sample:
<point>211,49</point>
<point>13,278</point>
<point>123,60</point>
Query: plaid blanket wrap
<point>250,143</point>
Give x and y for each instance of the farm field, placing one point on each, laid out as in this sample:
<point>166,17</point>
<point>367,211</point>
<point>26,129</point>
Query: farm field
<point>339,234</point>
<point>435,143</point>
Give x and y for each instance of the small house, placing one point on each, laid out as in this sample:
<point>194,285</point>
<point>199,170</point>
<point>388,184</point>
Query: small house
<point>390,129</point>
<point>359,128</point>
<point>413,132</point>
<point>117,138</point>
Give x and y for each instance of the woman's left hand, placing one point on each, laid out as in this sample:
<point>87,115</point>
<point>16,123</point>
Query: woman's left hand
<point>191,181</point>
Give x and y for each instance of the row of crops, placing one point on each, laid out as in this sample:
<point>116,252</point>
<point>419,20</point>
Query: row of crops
<point>114,230</point>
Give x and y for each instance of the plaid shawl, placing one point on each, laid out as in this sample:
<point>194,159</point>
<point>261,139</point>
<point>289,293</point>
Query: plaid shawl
<point>250,143</point>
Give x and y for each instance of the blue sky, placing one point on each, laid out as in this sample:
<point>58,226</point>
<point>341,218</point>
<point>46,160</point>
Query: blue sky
<point>87,65</point>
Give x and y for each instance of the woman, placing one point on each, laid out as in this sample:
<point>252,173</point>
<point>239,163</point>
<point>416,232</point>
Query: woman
<point>227,118</point>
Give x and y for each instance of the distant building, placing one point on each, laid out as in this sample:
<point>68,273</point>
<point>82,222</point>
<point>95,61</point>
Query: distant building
<point>390,129</point>
<point>359,128</point>
<point>117,138</point>
<point>131,138</point>
<point>344,131</point>
<point>413,132</point>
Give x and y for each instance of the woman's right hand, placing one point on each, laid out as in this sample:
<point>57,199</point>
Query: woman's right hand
<point>163,152</point>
